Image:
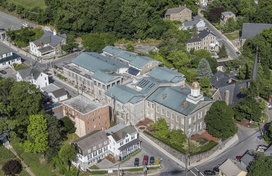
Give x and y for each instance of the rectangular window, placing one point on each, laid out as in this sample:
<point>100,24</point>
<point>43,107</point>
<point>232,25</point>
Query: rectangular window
<point>121,143</point>
<point>98,112</point>
<point>157,109</point>
<point>152,106</point>
<point>177,118</point>
<point>132,137</point>
<point>182,120</point>
<point>95,153</point>
<point>94,126</point>
<point>127,140</point>
<point>190,120</point>
<point>148,104</point>
<point>162,111</point>
<point>172,116</point>
<point>167,114</point>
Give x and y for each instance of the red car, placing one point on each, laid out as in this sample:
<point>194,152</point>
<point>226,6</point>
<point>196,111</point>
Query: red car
<point>145,160</point>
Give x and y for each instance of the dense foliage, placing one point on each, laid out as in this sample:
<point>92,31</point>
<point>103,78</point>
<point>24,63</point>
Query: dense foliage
<point>12,167</point>
<point>219,120</point>
<point>260,166</point>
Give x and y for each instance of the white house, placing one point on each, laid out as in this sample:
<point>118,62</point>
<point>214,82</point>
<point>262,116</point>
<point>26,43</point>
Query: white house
<point>55,93</point>
<point>7,57</point>
<point>91,148</point>
<point>123,140</point>
<point>33,75</point>
<point>49,44</point>
<point>200,24</point>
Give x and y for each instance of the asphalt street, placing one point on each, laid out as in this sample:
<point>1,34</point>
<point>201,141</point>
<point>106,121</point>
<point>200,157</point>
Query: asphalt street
<point>220,38</point>
<point>10,22</point>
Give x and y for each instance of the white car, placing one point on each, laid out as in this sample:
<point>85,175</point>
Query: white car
<point>25,25</point>
<point>268,105</point>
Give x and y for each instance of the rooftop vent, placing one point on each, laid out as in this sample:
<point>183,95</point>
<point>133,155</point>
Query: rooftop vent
<point>164,96</point>
<point>181,87</point>
<point>184,105</point>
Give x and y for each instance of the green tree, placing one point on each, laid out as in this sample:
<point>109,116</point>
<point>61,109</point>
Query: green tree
<point>68,125</point>
<point>195,32</point>
<point>130,47</point>
<point>160,128</point>
<point>260,166</point>
<point>219,120</point>
<point>37,135</point>
<point>213,64</point>
<point>205,82</point>
<point>97,41</point>
<point>178,58</point>
<point>191,146</point>
<point>202,53</point>
<point>223,52</point>
<point>230,25</point>
<point>177,136</point>
<point>67,154</point>
<point>204,69</point>
<point>249,109</point>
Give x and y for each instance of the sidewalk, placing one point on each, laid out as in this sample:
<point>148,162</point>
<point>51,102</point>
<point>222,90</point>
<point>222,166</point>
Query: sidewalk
<point>227,145</point>
<point>23,164</point>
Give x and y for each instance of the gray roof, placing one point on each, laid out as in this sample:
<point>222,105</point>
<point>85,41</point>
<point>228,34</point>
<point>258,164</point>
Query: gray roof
<point>46,49</point>
<point>128,56</point>
<point>121,134</point>
<point>50,88</point>
<point>250,30</point>
<point>220,79</point>
<point>191,23</point>
<point>175,10</point>
<point>104,76</point>
<point>49,37</point>
<point>124,94</point>
<point>140,61</point>
<point>131,143</point>
<point>202,34</point>
<point>93,61</point>
<point>236,167</point>
<point>247,159</point>
<point>193,40</point>
<point>59,93</point>
<point>83,104</point>
<point>175,99</point>
<point>4,50</point>
<point>91,140</point>
<point>166,74</point>
<point>29,72</point>
<point>227,13</point>
<point>115,128</point>
<point>235,93</point>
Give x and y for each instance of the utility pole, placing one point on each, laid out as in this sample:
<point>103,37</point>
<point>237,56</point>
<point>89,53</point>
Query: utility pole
<point>187,155</point>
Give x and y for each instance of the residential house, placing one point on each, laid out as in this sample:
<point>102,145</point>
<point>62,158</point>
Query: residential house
<point>33,75</point>
<point>7,57</point>
<point>228,88</point>
<point>206,40</point>
<point>3,34</point>
<point>87,115</point>
<point>247,159</point>
<point>181,13</point>
<point>138,65</point>
<point>123,140</point>
<point>225,16</point>
<point>236,168</point>
<point>49,44</point>
<point>199,23</point>
<point>91,148</point>
<point>55,93</point>
<point>250,30</point>
<point>181,108</point>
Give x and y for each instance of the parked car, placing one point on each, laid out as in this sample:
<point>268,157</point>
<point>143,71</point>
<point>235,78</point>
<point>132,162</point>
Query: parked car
<point>209,172</point>
<point>268,105</point>
<point>216,169</point>
<point>152,160</point>
<point>145,160</point>
<point>3,72</point>
<point>238,53</point>
<point>238,157</point>
<point>261,148</point>
<point>136,162</point>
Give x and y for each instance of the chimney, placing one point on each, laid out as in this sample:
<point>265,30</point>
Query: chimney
<point>41,44</point>
<point>164,96</point>
<point>227,97</point>
<point>184,105</point>
<point>54,32</point>
<point>181,87</point>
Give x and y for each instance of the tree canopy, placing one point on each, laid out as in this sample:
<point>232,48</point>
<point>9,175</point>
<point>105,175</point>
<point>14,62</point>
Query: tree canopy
<point>219,120</point>
<point>12,167</point>
<point>260,166</point>
<point>204,69</point>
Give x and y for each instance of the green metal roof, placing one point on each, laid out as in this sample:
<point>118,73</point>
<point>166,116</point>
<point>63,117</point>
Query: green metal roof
<point>103,76</point>
<point>164,73</point>
<point>149,84</point>
<point>94,62</point>
<point>175,98</point>
<point>46,49</point>
<point>124,94</point>
<point>112,50</point>
<point>6,59</point>
<point>127,56</point>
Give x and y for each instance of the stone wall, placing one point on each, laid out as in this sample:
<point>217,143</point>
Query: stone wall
<point>181,156</point>
<point>132,173</point>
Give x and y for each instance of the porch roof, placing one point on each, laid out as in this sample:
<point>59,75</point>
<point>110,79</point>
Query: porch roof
<point>129,144</point>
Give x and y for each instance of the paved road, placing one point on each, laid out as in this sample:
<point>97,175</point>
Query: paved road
<point>170,168</point>
<point>11,22</point>
<point>221,39</point>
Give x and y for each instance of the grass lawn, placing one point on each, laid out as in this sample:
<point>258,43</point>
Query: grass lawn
<point>29,3</point>
<point>21,67</point>
<point>6,155</point>
<point>71,137</point>
<point>232,36</point>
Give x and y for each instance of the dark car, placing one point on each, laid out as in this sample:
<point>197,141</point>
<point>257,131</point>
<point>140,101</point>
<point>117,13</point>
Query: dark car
<point>209,172</point>
<point>238,53</point>
<point>136,162</point>
<point>216,169</point>
<point>152,160</point>
<point>3,72</point>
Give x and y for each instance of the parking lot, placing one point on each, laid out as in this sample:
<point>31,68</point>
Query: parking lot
<point>9,73</point>
<point>11,22</point>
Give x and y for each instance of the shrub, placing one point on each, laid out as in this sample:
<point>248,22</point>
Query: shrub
<point>12,167</point>
<point>68,125</point>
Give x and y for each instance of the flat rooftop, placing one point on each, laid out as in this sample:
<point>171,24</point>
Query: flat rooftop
<point>83,104</point>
